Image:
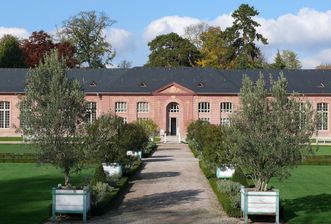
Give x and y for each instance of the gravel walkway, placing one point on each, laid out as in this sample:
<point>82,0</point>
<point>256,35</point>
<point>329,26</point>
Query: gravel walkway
<point>170,189</point>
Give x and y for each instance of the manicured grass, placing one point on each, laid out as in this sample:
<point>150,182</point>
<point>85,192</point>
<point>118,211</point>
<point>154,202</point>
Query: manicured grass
<point>10,139</point>
<point>306,195</point>
<point>323,150</point>
<point>16,148</point>
<point>25,191</point>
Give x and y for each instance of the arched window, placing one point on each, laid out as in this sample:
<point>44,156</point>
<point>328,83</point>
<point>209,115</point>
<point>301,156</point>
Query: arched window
<point>173,107</point>
<point>226,107</point>
<point>322,112</point>
<point>204,107</point>
<point>4,114</point>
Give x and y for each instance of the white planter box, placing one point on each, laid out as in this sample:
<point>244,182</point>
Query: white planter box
<point>259,203</point>
<point>71,201</point>
<point>113,169</point>
<point>134,154</point>
<point>224,172</point>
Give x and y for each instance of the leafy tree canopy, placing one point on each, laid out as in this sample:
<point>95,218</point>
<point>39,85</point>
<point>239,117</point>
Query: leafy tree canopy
<point>171,50</point>
<point>11,55</point>
<point>86,31</point>
<point>241,37</point>
<point>272,131</point>
<point>51,114</point>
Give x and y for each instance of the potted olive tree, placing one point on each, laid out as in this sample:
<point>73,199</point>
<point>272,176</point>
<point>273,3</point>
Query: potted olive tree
<point>271,136</point>
<point>51,114</point>
<point>103,141</point>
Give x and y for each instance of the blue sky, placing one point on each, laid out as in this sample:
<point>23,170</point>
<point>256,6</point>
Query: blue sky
<point>300,25</point>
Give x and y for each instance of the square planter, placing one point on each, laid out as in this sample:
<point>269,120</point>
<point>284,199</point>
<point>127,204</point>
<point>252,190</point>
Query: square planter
<point>71,201</point>
<point>113,169</point>
<point>225,172</point>
<point>137,154</point>
<point>259,203</point>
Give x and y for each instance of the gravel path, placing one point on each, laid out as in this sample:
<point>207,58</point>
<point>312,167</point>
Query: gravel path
<point>170,189</point>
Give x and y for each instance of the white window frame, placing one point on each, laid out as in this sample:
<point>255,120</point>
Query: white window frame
<point>4,114</point>
<point>121,107</point>
<point>173,108</point>
<point>207,119</point>
<point>323,116</point>
<point>225,121</point>
<point>90,111</point>
<point>204,107</point>
<point>226,107</point>
<point>142,107</point>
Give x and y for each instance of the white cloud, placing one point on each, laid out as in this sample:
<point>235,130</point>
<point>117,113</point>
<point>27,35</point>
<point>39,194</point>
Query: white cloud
<point>168,24</point>
<point>18,32</point>
<point>122,41</point>
<point>307,32</point>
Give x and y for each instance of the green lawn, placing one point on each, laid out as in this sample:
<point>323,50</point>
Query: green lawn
<point>9,139</point>
<point>306,195</point>
<point>323,150</point>
<point>16,148</point>
<point>25,191</point>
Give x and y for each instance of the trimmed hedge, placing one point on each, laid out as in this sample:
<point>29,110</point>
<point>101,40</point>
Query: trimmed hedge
<point>11,139</point>
<point>206,170</point>
<point>224,200</point>
<point>324,160</point>
<point>18,158</point>
<point>149,149</point>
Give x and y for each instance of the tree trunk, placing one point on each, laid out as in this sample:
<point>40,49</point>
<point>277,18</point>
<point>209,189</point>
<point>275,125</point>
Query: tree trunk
<point>66,177</point>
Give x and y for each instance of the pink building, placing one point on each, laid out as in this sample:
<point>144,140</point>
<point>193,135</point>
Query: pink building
<point>172,97</point>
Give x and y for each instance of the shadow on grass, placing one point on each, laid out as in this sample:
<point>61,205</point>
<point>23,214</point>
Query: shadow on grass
<point>309,204</point>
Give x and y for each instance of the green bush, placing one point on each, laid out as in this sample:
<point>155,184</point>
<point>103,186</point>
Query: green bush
<point>149,149</point>
<point>18,158</point>
<point>239,177</point>
<point>231,190</point>
<point>324,160</point>
<point>224,199</point>
<point>99,175</point>
<point>207,171</point>
<point>99,192</point>
<point>11,139</point>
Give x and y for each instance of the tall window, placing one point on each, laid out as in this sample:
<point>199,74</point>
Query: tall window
<point>322,112</point>
<point>142,107</point>
<point>226,107</point>
<point>4,114</point>
<point>120,107</point>
<point>204,107</point>
<point>90,112</point>
<point>173,107</point>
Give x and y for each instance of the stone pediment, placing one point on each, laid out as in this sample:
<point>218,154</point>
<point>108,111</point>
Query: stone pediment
<point>174,89</point>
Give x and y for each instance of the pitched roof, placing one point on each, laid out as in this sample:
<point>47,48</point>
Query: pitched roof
<point>200,80</point>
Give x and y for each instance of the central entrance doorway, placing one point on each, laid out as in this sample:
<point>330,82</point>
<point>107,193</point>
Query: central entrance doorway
<point>173,119</point>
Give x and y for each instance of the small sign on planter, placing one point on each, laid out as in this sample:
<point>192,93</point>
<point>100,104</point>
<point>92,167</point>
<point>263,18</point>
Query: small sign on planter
<point>113,169</point>
<point>259,203</point>
<point>71,201</point>
<point>225,171</point>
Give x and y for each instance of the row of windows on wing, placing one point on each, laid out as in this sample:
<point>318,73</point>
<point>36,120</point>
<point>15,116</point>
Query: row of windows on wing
<point>203,107</point>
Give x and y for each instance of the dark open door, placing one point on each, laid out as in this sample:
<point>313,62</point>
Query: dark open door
<point>173,126</point>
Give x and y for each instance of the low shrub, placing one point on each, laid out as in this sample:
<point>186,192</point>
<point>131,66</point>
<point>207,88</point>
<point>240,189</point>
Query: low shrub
<point>99,192</point>
<point>318,160</point>
<point>207,171</point>
<point>239,177</point>
<point>149,149</point>
<point>231,190</point>
<point>18,158</point>
<point>225,200</point>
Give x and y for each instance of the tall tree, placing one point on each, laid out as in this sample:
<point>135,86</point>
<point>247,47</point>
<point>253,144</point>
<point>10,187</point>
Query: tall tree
<point>171,50</point>
<point>193,33</point>
<point>213,49</point>
<point>86,31</point>
<point>40,43</point>
<point>11,56</point>
<point>272,130</point>
<point>287,59</point>
<point>241,37</point>
<point>125,64</point>
<point>51,115</point>
<point>324,66</point>
<point>36,47</point>
<point>279,62</point>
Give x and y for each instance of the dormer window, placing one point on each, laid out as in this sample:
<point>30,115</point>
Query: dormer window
<point>143,84</point>
<point>322,85</point>
<point>200,85</point>
<point>93,84</point>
